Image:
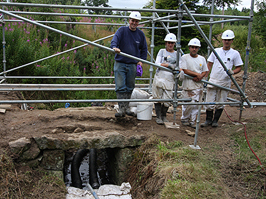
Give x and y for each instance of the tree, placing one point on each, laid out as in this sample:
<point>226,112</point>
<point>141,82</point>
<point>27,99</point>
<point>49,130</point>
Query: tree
<point>221,3</point>
<point>97,3</point>
<point>260,20</point>
<point>188,32</point>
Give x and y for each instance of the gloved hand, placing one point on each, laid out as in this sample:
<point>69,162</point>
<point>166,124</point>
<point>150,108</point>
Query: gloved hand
<point>230,72</point>
<point>117,50</point>
<point>171,60</point>
<point>181,75</point>
<point>172,66</point>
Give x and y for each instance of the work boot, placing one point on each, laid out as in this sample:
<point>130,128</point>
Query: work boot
<point>128,112</point>
<point>122,108</point>
<point>164,110</point>
<point>217,115</point>
<point>158,113</point>
<point>185,123</point>
<point>193,125</point>
<point>209,116</point>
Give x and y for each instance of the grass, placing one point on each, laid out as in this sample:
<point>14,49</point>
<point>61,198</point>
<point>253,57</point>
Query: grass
<point>191,176</point>
<point>171,170</point>
<point>18,181</point>
<point>256,135</point>
<point>183,172</point>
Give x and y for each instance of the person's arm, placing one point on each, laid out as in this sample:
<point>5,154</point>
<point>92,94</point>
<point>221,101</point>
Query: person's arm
<point>197,76</point>
<point>115,42</point>
<point>209,65</point>
<point>159,58</point>
<point>237,69</point>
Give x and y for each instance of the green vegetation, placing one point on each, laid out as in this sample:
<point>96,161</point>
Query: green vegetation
<point>245,157</point>
<point>181,172</point>
<point>19,181</point>
<point>186,173</point>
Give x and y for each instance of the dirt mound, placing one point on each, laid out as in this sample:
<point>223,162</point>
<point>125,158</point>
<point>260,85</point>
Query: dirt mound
<point>255,88</point>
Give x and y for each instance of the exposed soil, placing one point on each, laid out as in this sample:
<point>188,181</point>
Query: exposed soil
<point>17,123</point>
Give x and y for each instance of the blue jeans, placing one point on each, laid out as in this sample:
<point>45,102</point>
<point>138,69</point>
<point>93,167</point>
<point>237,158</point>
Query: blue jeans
<point>125,75</point>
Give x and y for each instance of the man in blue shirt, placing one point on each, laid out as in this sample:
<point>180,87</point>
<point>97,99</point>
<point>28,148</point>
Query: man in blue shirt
<point>132,41</point>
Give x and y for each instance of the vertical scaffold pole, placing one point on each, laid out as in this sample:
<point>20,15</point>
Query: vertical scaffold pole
<point>210,32</point>
<point>4,43</point>
<point>178,47</point>
<point>245,76</point>
<point>152,46</point>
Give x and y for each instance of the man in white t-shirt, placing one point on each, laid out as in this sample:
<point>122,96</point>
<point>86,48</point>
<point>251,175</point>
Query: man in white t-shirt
<point>230,58</point>
<point>194,65</point>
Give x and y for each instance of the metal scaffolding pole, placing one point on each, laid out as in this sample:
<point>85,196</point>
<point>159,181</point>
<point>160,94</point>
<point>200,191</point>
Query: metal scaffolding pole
<point>4,42</point>
<point>245,76</point>
<point>182,101</point>
<point>176,70</point>
<point>152,46</point>
<point>85,7</point>
<point>211,24</point>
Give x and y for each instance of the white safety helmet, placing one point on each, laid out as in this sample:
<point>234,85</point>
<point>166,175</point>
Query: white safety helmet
<point>135,15</point>
<point>194,42</point>
<point>170,37</point>
<point>228,34</point>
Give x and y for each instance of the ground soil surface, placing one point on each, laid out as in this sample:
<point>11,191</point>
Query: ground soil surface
<point>17,123</point>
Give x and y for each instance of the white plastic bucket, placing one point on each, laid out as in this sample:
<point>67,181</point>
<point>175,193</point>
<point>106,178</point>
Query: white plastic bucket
<point>144,110</point>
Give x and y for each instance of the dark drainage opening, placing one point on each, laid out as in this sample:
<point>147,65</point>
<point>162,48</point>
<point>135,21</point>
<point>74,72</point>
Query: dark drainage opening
<point>103,167</point>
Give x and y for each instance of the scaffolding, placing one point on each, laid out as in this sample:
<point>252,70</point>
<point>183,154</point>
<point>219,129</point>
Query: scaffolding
<point>173,16</point>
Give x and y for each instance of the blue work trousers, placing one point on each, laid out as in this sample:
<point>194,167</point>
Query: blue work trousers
<point>125,75</point>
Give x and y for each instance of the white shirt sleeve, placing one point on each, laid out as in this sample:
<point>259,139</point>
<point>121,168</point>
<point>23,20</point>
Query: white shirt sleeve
<point>183,64</point>
<point>238,61</point>
<point>159,58</point>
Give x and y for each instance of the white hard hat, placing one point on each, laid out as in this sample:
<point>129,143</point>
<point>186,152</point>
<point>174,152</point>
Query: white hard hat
<point>170,37</point>
<point>194,42</point>
<point>135,15</point>
<point>228,34</point>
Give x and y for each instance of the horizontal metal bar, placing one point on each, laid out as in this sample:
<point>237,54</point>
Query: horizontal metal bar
<point>62,89</point>
<point>64,85</point>
<point>204,22</point>
<point>75,15</point>
<point>255,104</point>
<point>88,100</point>
<point>221,16</point>
<point>65,77</point>
<point>86,7</point>
<point>216,85</point>
<point>181,101</point>
<point>77,23</point>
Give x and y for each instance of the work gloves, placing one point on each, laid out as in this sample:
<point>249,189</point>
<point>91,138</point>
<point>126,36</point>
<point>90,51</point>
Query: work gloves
<point>230,72</point>
<point>171,60</point>
<point>172,66</point>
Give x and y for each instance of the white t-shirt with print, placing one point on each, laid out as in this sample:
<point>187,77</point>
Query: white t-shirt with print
<point>196,64</point>
<point>230,58</point>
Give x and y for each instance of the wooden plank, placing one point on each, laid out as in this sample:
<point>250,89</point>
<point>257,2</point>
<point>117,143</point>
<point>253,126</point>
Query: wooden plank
<point>5,106</point>
<point>3,111</point>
